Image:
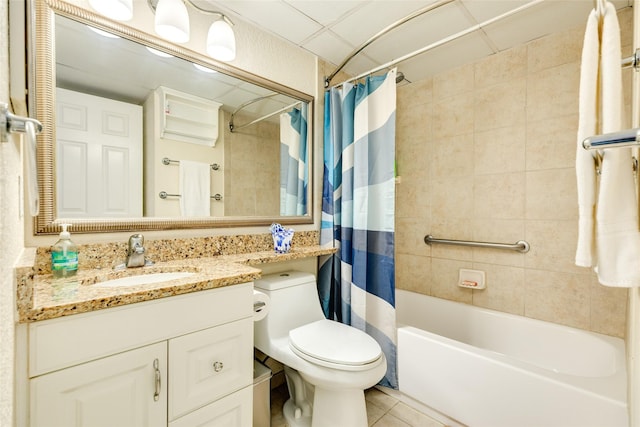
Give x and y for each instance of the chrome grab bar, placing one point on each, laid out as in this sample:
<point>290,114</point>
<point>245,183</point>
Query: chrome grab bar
<point>520,245</point>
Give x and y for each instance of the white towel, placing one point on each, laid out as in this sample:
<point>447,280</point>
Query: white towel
<point>617,241</point>
<point>31,169</point>
<point>195,188</point>
<point>585,164</point>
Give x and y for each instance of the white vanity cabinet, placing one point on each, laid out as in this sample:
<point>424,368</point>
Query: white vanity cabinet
<point>176,361</point>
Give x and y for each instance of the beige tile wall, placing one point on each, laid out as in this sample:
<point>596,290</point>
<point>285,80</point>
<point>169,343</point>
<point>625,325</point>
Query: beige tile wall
<point>252,168</point>
<point>486,152</point>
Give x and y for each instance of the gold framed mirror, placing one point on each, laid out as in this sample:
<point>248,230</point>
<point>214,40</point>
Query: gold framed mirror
<point>51,22</point>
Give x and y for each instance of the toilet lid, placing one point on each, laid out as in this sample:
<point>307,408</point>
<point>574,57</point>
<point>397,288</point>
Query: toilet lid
<point>334,344</point>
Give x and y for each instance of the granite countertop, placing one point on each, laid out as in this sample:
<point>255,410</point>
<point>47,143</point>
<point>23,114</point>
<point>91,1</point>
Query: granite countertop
<point>41,297</point>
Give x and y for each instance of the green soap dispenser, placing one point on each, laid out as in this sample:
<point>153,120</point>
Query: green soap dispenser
<point>64,255</point>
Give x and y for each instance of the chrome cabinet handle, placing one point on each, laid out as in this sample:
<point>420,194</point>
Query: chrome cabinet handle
<point>217,366</point>
<point>156,367</point>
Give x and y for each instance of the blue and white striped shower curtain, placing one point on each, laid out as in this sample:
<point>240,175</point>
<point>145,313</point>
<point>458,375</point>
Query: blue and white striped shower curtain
<point>294,173</point>
<point>357,284</point>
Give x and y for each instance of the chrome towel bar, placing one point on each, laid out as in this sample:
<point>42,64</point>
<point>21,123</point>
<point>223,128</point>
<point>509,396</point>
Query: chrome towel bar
<point>632,61</point>
<point>164,195</point>
<point>168,161</point>
<point>625,138</point>
<point>520,245</point>
<point>620,139</point>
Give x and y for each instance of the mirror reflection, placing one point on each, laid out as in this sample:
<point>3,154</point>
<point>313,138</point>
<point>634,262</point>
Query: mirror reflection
<point>141,133</point>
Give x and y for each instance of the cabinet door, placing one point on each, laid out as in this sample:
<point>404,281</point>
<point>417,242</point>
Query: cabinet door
<point>124,390</point>
<point>235,410</point>
<point>209,364</point>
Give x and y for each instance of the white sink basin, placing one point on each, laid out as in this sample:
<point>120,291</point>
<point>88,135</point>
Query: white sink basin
<point>144,279</point>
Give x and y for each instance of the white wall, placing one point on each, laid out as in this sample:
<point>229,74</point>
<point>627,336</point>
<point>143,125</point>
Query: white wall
<point>11,238</point>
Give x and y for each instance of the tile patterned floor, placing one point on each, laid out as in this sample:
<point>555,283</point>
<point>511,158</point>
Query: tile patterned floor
<point>382,411</point>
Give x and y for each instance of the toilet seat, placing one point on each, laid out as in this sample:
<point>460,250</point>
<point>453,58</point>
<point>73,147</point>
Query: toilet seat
<point>335,345</point>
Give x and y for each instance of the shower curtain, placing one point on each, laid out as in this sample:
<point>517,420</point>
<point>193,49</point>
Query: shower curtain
<point>294,173</point>
<point>357,285</point>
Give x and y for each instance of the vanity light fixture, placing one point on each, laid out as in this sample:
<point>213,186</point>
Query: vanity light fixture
<point>221,42</point>
<point>172,20</point>
<point>120,10</point>
<point>172,23</point>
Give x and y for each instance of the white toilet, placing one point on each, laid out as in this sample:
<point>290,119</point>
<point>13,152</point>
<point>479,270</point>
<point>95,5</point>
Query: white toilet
<point>328,365</point>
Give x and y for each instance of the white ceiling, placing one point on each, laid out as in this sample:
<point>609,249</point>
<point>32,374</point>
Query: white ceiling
<point>333,29</point>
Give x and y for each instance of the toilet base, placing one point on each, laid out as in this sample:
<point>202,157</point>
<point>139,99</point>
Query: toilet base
<point>289,412</point>
<point>322,406</point>
<point>339,407</point>
<point>331,408</point>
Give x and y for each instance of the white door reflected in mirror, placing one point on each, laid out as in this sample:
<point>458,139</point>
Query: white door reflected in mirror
<point>99,156</point>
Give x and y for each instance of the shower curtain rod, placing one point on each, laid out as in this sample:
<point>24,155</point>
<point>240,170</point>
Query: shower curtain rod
<point>433,6</point>
<point>246,104</point>
<point>632,61</point>
<point>233,127</point>
<point>432,45</point>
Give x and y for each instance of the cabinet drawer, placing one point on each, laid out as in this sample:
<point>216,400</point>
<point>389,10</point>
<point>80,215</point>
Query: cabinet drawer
<point>71,340</point>
<point>209,364</point>
<point>233,410</point>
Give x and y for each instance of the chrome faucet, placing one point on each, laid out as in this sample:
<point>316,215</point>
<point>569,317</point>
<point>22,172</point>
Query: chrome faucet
<point>135,254</point>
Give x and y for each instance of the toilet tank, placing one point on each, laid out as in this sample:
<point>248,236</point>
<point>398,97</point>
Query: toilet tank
<point>294,302</point>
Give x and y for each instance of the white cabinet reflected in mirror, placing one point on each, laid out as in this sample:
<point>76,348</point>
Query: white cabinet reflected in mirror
<point>154,136</point>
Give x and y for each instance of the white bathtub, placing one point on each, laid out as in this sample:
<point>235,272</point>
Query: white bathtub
<point>485,368</point>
